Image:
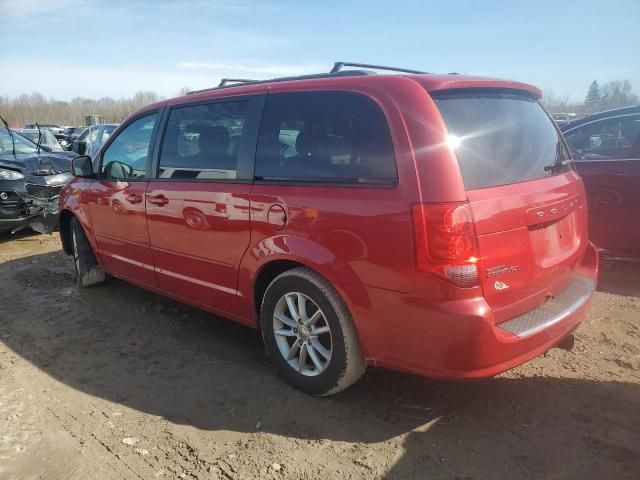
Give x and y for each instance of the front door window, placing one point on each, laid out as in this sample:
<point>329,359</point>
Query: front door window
<point>126,157</point>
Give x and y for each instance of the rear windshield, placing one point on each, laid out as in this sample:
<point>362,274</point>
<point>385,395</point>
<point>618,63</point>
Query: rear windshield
<point>500,138</point>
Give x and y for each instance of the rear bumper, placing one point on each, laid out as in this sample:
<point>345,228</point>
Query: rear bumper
<point>461,341</point>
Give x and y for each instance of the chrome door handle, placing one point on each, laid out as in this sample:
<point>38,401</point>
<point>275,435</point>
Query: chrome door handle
<point>133,198</point>
<point>159,200</point>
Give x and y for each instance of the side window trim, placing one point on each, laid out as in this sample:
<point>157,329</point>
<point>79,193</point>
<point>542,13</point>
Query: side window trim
<point>157,143</point>
<point>246,151</point>
<point>121,128</point>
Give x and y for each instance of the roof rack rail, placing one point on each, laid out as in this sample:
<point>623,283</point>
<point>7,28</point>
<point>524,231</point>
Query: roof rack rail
<point>338,66</point>
<point>226,81</point>
<point>336,71</point>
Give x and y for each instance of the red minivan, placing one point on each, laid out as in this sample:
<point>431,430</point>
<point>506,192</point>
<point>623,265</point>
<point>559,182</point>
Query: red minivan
<point>432,224</point>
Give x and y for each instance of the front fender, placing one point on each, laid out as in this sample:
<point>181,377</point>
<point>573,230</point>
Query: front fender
<point>74,202</point>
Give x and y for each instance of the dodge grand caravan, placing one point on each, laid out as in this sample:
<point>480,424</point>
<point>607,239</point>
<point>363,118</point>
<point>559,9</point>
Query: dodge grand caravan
<point>432,224</point>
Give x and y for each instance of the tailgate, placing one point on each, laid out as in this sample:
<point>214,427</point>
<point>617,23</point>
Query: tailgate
<point>528,204</point>
<point>531,240</point>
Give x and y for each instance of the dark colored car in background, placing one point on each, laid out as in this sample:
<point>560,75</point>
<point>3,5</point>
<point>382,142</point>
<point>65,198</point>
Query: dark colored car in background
<point>73,132</point>
<point>70,135</point>
<point>425,223</point>
<point>30,182</point>
<point>606,149</point>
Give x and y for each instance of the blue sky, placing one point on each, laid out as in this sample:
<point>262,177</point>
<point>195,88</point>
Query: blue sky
<point>94,48</point>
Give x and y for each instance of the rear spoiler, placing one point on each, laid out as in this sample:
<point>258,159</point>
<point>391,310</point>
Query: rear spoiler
<point>439,83</point>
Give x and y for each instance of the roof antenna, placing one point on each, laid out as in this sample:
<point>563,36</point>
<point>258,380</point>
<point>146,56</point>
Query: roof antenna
<point>39,137</point>
<point>13,140</point>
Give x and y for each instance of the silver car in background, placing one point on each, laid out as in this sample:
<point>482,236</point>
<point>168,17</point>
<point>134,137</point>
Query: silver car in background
<point>43,136</point>
<point>92,138</point>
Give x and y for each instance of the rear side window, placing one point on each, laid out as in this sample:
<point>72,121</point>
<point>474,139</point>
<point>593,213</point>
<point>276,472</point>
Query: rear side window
<point>500,138</point>
<point>202,141</point>
<point>324,136</point>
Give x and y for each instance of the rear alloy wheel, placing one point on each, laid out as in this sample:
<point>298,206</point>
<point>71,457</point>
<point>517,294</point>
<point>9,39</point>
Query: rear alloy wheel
<point>302,334</point>
<point>309,333</point>
<point>88,272</point>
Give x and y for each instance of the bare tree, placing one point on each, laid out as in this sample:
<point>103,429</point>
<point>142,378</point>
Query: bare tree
<point>35,107</point>
<point>555,103</point>
<point>617,94</point>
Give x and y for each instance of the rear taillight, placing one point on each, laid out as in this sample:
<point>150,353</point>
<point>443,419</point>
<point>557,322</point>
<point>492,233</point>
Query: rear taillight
<point>445,242</point>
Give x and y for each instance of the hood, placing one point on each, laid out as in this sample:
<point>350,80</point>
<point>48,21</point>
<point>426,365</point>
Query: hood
<point>45,163</point>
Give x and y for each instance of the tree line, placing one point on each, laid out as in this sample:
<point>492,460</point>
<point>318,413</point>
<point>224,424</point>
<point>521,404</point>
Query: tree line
<point>614,94</point>
<point>25,109</point>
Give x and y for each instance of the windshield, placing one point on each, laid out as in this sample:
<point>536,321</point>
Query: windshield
<point>23,145</point>
<point>500,138</point>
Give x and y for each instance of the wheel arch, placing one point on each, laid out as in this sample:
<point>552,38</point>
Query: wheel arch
<point>348,286</point>
<point>70,211</point>
<point>265,275</point>
<point>65,231</point>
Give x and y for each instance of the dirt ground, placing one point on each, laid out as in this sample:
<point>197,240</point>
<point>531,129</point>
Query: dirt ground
<point>116,382</point>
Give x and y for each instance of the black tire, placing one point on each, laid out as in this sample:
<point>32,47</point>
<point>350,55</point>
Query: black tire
<point>346,363</point>
<point>88,272</point>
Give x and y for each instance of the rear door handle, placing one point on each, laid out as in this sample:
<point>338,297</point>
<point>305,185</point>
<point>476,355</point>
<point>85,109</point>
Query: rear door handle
<point>133,198</point>
<point>159,200</point>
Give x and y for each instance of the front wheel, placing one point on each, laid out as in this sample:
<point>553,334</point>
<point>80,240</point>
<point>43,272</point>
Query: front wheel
<point>309,333</point>
<point>88,272</point>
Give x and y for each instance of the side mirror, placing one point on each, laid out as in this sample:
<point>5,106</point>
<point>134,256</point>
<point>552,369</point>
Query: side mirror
<point>117,170</point>
<point>82,167</point>
<point>81,148</point>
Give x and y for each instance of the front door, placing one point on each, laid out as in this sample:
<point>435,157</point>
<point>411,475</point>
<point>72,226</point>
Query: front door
<point>118,207</point>
<point>198,203</point>
<point>607,154</point>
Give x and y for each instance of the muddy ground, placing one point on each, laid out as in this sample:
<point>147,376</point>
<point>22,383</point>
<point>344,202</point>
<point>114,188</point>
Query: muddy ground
<point>116,382</point>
